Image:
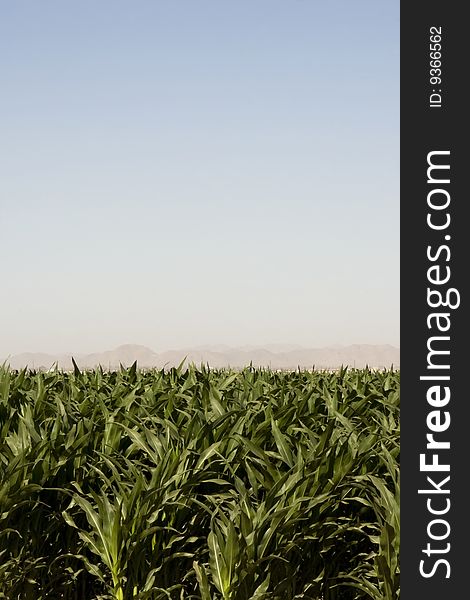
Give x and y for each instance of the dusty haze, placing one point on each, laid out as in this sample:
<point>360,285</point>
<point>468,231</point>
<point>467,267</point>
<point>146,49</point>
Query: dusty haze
<point>275,357</point>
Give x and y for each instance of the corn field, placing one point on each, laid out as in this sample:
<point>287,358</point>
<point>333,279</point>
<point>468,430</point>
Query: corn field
<point>199,484</point>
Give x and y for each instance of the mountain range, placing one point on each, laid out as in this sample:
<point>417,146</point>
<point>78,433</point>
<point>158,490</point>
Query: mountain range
<point>276,356</point>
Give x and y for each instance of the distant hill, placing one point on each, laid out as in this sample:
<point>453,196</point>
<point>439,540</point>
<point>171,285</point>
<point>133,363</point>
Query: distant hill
<point>275,357</point>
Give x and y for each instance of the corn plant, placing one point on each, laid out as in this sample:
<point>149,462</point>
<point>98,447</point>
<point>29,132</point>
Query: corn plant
<point>199,484</point>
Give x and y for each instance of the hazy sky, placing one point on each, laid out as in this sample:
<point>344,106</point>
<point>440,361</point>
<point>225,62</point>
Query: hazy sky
<point>185,172</point>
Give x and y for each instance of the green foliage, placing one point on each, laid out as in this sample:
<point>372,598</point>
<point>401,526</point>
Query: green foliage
<point>199,484</point>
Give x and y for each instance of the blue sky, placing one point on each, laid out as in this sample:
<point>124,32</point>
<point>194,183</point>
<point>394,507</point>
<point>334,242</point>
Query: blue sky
<point>195,172</point>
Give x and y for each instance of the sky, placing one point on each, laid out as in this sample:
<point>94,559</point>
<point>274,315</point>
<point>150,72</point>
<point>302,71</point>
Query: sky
<point>183,172</point>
